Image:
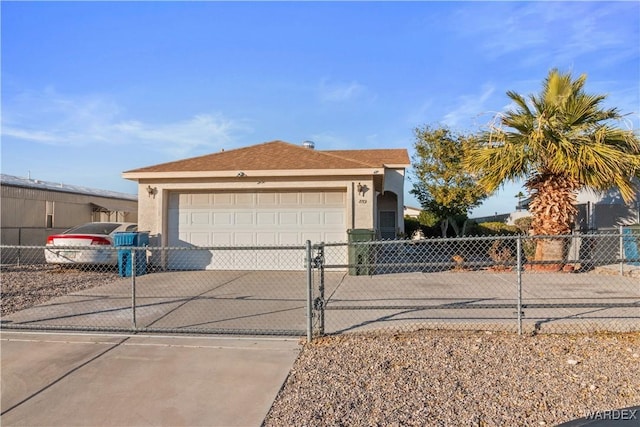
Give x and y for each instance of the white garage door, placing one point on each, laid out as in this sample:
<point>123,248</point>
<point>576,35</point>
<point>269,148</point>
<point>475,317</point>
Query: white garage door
<point>199,219</point>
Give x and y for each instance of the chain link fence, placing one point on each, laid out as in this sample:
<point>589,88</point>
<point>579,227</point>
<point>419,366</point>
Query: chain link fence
<point>577,283</point>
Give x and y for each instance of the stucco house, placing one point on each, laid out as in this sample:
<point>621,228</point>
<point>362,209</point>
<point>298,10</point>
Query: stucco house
<point>412,211</point>
<point>274,193</point>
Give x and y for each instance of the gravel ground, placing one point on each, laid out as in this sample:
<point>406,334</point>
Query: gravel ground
<point>24,286</point>
<point>439,378</point>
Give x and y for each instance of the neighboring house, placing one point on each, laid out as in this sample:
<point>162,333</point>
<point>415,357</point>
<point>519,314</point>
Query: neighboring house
<point>608,210</point>
<point>595,211</point>
<point>412,212</point>
<point>34,209</point>
<point>275,193</point>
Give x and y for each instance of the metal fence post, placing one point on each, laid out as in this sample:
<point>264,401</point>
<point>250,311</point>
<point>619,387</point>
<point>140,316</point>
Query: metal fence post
<point>19,244</point>
<point>320,265</point>
<point>519,275</point>
<point>309,261</point>
<point>133,288</point>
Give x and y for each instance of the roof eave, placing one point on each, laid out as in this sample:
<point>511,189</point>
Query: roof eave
<point>240,174</point>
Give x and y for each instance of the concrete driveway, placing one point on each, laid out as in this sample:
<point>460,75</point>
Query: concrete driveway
<point>117,380</point>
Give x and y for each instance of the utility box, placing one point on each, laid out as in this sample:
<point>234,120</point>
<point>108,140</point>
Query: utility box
<point>125,256</point>
<point>360,253</point>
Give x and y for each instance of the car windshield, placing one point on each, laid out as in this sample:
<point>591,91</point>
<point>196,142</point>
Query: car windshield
<point>94,228</point>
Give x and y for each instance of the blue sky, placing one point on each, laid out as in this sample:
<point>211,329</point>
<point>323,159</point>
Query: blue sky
<point>91,89</point>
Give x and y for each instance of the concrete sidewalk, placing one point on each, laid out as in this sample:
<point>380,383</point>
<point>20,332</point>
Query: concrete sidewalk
<point>129,380</point>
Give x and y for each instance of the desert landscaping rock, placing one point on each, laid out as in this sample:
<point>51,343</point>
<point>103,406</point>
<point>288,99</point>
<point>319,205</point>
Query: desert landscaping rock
<point>24,286</point>
<point>446,378</point>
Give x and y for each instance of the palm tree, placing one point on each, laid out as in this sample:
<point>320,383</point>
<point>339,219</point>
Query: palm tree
<point>520,196</point>
<point>560,141</point>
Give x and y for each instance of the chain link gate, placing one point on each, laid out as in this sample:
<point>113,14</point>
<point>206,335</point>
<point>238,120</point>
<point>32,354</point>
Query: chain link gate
<point>316,290</point>
<point>179,298</point>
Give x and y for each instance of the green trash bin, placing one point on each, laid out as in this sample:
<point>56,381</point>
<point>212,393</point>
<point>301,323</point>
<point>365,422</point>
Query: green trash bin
<point>360,255</point>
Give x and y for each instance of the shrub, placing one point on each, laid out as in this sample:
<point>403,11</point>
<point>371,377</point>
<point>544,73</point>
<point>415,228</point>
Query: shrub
<point>493,229</point>
<point>411,225</point>
<point>524,224</point>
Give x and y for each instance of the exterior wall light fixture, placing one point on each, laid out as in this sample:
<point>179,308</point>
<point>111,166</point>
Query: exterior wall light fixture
<point>152,191</point>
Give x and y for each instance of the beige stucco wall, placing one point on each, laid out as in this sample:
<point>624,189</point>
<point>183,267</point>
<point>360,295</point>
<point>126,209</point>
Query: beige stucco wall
<point>394,182</point>
<point>153,208</point>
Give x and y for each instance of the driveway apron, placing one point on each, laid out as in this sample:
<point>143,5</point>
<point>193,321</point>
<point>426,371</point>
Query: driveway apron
<point>116,380</point>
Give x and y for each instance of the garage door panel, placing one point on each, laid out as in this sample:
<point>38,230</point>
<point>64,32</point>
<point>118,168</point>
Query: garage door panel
<point>244,200</point>
<point>223,238</point>
<point>290,199</point>
<point>265,199</point>
<point>334,218</point>
<point>254,219</point>
<point>312,199</point>
<point>266,238</point>
<point>223,199</point>
<point>243,238</point>
<point>265,219</point>
<point>244,218</point>
<point>311,218</point>
<point>334,198</point>
<point>288,218</point>
<point>314,236</point>
<point>183,218</point>
<point>200,218</point>
<point>222,218</point>
<point>199,239</point>
<point>334,237</point>
<point>200,200</point>
<point>290,238</point>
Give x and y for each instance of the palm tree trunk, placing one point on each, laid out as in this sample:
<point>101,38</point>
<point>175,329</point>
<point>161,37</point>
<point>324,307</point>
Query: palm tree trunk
<point>551,254</point>
<point>553,209</point>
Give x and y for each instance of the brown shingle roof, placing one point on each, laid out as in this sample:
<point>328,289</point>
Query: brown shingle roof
<point>279,155</point>
<point>379,157</point>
